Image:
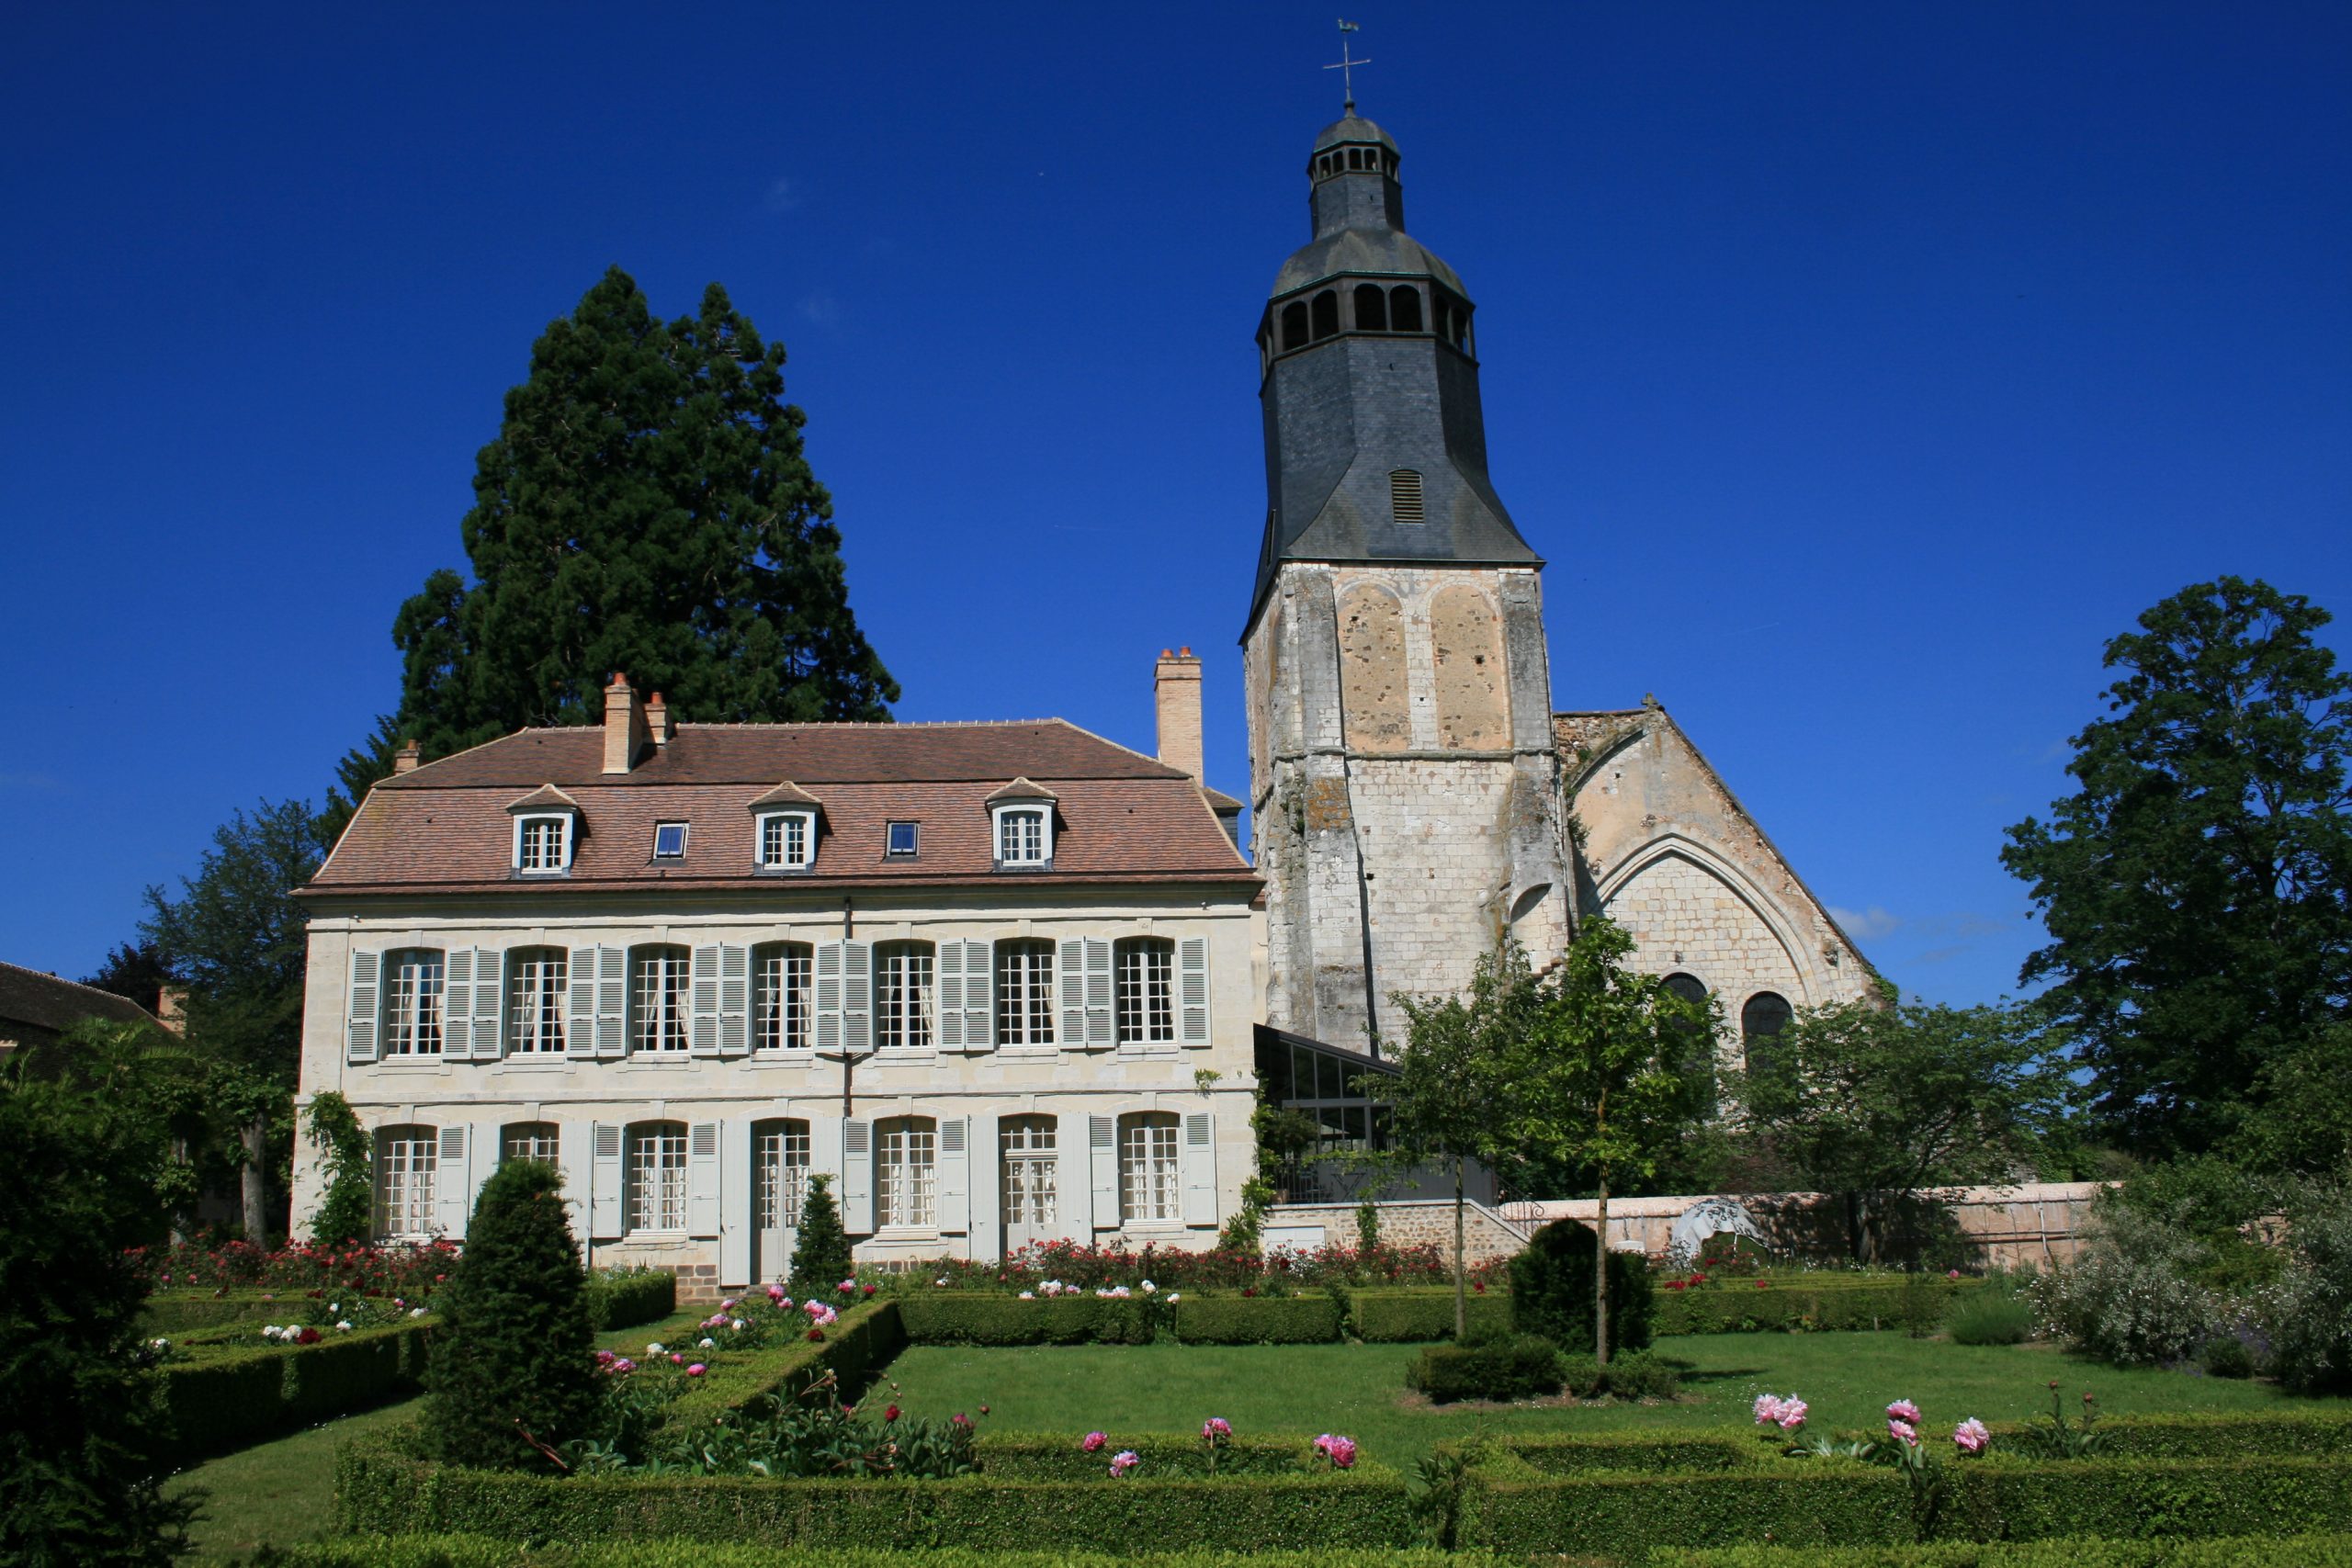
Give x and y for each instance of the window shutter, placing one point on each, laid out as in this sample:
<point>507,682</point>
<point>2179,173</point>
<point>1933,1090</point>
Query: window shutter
<point>950,998</point>
<point>857,996</point>
<point>490,1002</point>
<point>829,996</point>
<point>734,1000</point>
<point>580,1007</point>
<point>1101,1021</point>
<point>359,1016</point>
<point>1103,1159</point>
<point>1200,1169</point>
<point>604,1218</point>
<point>451,1185</point>
<point>702,1179</point>
<point>481,1158</point>
<point>1074,1200</point>
<point>954,1200</point>
<point>457,1005</point>
<point>702,1035</point>
<point>1192,990</point>
<point>574,1143</point>
<point>857,1178</point>
<point>612,1001</point>
<point>979,998</point>
<point>735,1218</point>
<point>1073,994</point>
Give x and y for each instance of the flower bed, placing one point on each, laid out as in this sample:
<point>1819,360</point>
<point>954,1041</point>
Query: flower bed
<point>1282,1268</point>
<point>382,1486</point>
<point>229,1396</point>
<point>241,1267</point>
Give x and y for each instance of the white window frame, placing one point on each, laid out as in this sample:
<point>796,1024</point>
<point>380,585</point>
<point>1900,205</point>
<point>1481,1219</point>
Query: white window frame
<point>794,1016</point>
<point>914,840</point>
<point>1149,993</point>
<point>676,1018</point>
<point>537,983</point>
<point>684,831</point>
<point>906,1009</point>
<point>407,1159</point>
<point>415,1021</point>
<point>1151,1169</point>
<point>783,822</point>
<point>1026,995</point>
<point>668,1199</point>
<point>1029,1176</point>
<point>1002,827</point>
<point>780,1152</point>
<point>562,821</point>
<point>906,1187</point>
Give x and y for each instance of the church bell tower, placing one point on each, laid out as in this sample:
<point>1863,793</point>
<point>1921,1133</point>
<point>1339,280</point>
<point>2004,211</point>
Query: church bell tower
<point>1403,774</point>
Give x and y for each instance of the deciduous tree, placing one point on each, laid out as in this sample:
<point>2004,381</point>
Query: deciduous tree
<point>2197,885</point>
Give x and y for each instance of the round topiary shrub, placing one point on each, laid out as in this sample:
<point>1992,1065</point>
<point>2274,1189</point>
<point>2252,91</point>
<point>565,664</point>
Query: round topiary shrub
<point>1551,1291</point>
<point>512,1356</point>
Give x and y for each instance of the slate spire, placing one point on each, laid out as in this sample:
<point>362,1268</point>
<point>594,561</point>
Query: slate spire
<point>1375,442</point>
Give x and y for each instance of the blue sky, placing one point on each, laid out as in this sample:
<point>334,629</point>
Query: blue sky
<point>1859,368</point>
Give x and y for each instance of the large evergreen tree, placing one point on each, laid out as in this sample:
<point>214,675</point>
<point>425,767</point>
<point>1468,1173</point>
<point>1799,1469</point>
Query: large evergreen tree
<point>647,508</point>
<point>2197,885</point>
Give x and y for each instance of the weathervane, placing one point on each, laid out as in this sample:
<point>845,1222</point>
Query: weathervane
<point>1345,67</point>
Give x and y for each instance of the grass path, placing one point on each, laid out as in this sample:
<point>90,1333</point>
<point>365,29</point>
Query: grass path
<point>281,1491</point>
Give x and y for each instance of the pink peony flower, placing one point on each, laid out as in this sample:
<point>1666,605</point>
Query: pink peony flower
<point>1092,1443</point>
<point>1792,1410</point>
<point>1123,1462</point>
<point>697,1369</point>
<point>1902,1431</point>
<point>1341,1451</point>
<point>1970,1438</point>
<point>1215,1428</point>
<point>1904,1410</point>
<point>1767,1409</point>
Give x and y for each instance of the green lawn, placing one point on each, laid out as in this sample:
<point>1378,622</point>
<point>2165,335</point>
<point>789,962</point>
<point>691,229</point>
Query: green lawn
<point>1848,1378</point>
<point>280,1492</point>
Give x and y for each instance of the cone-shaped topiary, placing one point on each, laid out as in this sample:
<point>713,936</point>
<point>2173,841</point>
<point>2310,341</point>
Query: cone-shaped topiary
<point>1551,1291</point>
<point>820,1258</point>
<point>513,1353</point>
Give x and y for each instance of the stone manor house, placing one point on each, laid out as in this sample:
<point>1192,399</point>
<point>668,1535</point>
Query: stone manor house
<point>1010,981</point>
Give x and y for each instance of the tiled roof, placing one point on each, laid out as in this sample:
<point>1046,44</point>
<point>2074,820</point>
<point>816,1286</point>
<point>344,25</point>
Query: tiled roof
<point>44,1001</point>
<point>1123,815</point>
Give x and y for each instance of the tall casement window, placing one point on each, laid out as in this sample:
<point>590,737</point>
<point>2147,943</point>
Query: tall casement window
<point>1024,992</point>
<point>656,1176</point>
<point>528,1140</point>
<point>543,845</point>
<point>413,1002</point>
<point>1760,1022</point>
<point>406,1158</point>
<point>1147,991</point>
<point>905,1152</point>
<point>782,974</point>
<point>535,992</point>
<point>1150,1185</point>
<point>779,1174</point>
<point>1697,1056</point>
<point>1026,1145</point>
<point>657,1000</point>
<point>902,974</point>
<point>788,840</point>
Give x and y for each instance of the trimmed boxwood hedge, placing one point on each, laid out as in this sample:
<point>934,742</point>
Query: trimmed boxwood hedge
<point>382,1487</point>
<point>1055,1456</point>
<point>236,1398</point>
<point>475,1552</point>
<point>2059,1551</point>
<point>966,1317</point>
<point>1740,1306</point>
<point>1507,1505</point>
<point>865,1340</point>
<point>1258,1320</point>
<point>1406,1316</point>
<point>624,1300</point>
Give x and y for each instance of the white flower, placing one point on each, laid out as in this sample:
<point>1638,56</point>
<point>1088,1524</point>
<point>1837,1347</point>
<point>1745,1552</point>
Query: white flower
<point>941,1281</point>
<point>344,1325</point>
<point>1149,1287</point>
<point>655,1348</point>
<point>741,1324</point>
<point>706,1343</point>
<point>1028,1295</point>
<point>416,1312</point>
<point>1175,1296</point>
<point>335,1306</point>
<point>163,1344</point>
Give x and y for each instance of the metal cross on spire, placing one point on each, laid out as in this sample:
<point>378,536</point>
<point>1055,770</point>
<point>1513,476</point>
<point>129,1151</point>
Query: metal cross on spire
<point>1345,66</point>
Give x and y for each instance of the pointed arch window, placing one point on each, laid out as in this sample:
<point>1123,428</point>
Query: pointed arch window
<point>1760,1023</point>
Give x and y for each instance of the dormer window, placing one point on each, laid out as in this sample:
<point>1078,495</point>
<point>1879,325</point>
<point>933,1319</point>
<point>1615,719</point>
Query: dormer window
<point>543,843</point>
<point>1021,816</point>
<point>788,840</point>
<point>904,840</point>
<point>668,841</point>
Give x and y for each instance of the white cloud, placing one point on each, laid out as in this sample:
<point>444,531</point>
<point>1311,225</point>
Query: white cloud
<point>1866,925</point>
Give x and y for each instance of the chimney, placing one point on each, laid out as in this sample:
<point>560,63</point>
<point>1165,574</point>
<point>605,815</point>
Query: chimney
<point>625,733</point>
<point>171,1008</point>
<point>405,759</point>
<point>1176,692</point>
<point>657,719</point>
